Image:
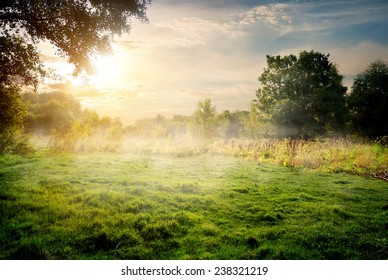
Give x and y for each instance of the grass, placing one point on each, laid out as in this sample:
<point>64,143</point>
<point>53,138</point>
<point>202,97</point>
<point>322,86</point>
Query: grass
<point>325,155</point>
<point>200,206</point>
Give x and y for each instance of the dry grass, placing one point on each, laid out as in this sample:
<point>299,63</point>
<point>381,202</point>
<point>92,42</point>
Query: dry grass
<point>328,155</point>
<point>332,155</point>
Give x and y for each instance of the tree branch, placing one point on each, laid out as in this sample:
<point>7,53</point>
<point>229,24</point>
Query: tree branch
<point>29,18</point>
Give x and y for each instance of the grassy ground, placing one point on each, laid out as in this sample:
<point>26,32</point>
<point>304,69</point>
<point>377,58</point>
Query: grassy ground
<point>121,206</point>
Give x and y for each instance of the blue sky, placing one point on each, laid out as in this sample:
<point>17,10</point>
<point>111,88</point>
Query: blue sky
<point>191,50</point>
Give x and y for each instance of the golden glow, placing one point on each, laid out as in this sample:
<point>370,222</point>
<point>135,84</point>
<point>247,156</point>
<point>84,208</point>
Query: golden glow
<point>78,81</point>
<point>108,71</point>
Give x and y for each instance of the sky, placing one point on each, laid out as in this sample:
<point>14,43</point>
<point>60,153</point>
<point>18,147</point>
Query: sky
<point>192,50</point>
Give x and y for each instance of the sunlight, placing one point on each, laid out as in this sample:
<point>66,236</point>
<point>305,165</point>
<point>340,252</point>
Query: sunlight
<point>108,71</point>
<point>78,81</point>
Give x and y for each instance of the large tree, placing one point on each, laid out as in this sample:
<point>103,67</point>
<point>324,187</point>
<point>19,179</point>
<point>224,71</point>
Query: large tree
<point>79,29</point>
<point>368,101</point>
<point>303,96</point>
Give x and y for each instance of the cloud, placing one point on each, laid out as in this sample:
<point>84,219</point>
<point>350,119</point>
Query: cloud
<point>326,18</point>
<point>193,31</point>
<point>272,14</point>
<point>192,24</point>
<point>130,44</point>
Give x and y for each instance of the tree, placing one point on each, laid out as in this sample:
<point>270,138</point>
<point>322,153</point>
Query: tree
<point>19,62</point>
<point>303,96</point>
<point>12,113</point>
<point>78,29</point>
<point>229,124</point>
<point>48,111</point>
<point>205,116</point>
<point>256,124</point>
<point>368,101</point>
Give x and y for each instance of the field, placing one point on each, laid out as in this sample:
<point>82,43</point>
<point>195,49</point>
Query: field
<point>205,206</point>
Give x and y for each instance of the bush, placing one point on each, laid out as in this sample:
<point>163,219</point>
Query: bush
<point>12,113</point>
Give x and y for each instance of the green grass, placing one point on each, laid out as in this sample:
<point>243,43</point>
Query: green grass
<point>122,206</point>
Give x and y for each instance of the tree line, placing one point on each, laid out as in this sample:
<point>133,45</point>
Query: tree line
<point>303,96</point>
<point>299,97</point>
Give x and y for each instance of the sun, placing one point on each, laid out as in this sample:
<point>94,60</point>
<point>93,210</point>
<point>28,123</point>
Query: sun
<point>108,71</point>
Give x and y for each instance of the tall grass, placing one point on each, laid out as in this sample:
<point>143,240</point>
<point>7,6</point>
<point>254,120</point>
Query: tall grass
<point>326,155</point>
<point>332,155</point>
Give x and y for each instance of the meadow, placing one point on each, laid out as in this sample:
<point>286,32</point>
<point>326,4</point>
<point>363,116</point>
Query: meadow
<point>195,204</point>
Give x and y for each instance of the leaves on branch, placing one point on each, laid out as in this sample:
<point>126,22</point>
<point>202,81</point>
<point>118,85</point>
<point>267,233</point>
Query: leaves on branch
<point>78,29</point>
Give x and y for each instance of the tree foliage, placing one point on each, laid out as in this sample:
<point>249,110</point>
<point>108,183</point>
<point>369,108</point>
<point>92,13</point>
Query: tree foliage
<point>229,124</point>
<point>205,116</point>
<point>19,62</point>
<point>255,122</point>
<point>89,132</point>
<point>368,101</point>
<point>78,29</point>
<point>303,96</point>
<point>49,111</point>
<point>12,113</point>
